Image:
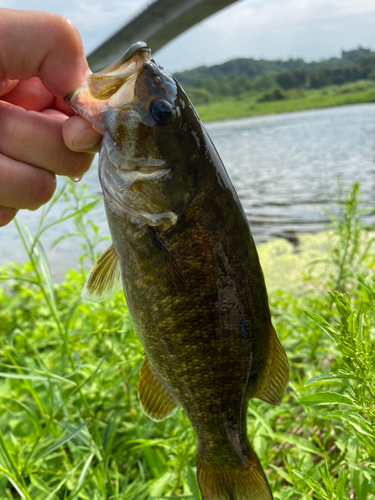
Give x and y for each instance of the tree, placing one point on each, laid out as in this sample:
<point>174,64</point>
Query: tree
<point>296,78</point>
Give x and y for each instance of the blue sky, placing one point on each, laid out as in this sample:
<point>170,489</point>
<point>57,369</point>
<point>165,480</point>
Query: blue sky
<point>311,29</point>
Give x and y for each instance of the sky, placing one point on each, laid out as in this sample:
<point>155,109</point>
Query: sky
<point>269,29</point>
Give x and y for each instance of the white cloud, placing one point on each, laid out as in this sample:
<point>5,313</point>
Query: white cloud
<point>312,29</point>
<point>95,15</point>
<point>272,14</point>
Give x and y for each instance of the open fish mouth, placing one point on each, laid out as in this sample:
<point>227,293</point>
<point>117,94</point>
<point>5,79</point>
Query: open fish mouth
<point>109,97</point>
<point>114,86</point>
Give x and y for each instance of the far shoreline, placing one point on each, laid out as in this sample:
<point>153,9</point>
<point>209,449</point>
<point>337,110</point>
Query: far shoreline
<point>281,113</point>
<point>251,106</point>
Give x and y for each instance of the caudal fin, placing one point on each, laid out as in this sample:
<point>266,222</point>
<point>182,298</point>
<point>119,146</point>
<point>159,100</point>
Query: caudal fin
<point>242,482</point>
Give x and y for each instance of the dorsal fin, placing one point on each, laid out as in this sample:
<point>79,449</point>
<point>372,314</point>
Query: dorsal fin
<point>104,279</point>
<point>157,400</point>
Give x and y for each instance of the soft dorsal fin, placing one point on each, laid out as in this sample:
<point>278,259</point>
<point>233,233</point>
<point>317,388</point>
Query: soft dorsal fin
<point>156,398</point>
<point>104,279</point>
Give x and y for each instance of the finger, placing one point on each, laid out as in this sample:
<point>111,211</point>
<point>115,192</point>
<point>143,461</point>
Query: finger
<point>6,215</point>
<point>79,135</point>
<point>23,185</point>
<point>62,106</point>
<point>52,49</point>
<point>55,113</point>
<point>31,95</point>
<point>36,139</point>
<point>7,85</point>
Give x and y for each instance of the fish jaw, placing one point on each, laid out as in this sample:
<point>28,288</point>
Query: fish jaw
<point>88,107</point>
<point>111,88</point>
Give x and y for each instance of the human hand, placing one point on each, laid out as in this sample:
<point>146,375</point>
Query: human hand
<point>41,60</point>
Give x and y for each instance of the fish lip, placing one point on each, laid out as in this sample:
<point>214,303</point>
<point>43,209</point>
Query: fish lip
<point>69,96</point>
<point>132,50</point>
<point>120,75</point>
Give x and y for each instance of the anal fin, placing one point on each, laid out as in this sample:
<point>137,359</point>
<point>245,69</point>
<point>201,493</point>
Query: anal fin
<point>157,400</point>
<point>104,279</point>
<point>275,377</point>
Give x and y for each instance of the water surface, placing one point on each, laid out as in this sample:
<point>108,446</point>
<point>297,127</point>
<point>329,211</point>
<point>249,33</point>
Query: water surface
<point>286,169</point>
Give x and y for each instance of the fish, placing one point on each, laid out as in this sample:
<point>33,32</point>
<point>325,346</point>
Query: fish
<point>183,252</point>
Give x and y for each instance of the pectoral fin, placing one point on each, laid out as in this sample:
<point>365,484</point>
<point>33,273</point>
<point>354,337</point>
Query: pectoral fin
<point>166,267</point>
<point>274,380</point>
<point>104,280</point>
<point>157,400</point>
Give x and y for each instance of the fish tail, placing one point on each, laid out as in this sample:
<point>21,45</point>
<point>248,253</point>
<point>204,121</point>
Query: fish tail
<point>240,482</point>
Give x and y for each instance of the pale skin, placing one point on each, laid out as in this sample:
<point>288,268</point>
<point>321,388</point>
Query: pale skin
<point>41,60</point>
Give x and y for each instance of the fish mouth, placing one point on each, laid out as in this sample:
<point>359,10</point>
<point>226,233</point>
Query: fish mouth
<point>113,86</point>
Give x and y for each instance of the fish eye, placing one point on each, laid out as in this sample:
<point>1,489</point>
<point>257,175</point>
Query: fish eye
<point>157,79</point>
<point>161,111</point>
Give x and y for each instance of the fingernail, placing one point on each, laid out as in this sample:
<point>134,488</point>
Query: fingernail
<point>3,86</point>
<point>81,144</point>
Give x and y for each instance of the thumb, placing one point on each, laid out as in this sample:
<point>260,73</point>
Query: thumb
<point>79,135</point>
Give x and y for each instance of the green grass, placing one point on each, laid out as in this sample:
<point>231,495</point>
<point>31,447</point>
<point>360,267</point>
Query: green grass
<point>71,426</point>
<point>295,100</point>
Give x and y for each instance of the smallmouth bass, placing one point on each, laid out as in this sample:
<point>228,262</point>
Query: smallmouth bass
<point>183,251</point>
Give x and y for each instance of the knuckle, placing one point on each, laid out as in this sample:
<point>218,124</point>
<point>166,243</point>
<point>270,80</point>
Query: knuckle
<point>66,30</point>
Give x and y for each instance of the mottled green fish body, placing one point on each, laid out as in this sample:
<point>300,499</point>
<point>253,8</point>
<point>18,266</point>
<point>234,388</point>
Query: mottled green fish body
<point>189,269</point>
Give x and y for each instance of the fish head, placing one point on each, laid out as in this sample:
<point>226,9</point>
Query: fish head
<point>144,167</point>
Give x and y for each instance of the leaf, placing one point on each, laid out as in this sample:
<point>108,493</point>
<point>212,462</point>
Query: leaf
<point>21,491</point>
<point>314,485</point>
<point>82,476</point>
<point>6,455</point>
<point>157,487</point>
<point>367,471</point>
<point>261,418</point>
<point>62,441</point>
<point>39,483</point>
<point>46,268</point>
<point>282,473</point>
<point>327,398</point>
<point>83,210</point>
<point>51,378</point>
<point>58,487</point>
<point>330,376</point>
<point>31,414</point>
<point>299,442</point>
<point>356,421</point>
<point>62,238</point>
<point>324,325</point>
<point>192,482</point>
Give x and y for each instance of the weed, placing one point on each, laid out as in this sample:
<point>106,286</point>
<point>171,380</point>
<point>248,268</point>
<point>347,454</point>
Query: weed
<point>71,426</point>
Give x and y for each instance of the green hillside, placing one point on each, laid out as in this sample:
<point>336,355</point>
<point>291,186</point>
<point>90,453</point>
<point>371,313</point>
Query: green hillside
<point>253,68</point>
<point>247,87</point>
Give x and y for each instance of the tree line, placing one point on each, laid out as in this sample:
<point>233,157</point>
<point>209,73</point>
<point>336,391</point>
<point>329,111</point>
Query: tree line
<point>239,76</point>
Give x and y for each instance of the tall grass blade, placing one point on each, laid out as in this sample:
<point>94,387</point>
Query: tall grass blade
<point>82,476</point>
<point>70,435</point>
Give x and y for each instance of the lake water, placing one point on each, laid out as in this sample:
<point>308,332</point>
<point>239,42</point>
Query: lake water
<point>286,168</point>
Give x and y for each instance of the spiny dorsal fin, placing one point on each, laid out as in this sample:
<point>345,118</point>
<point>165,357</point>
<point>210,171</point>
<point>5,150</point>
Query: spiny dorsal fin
<point>273,384</point>
<point>104,279</point>
<point>157,400</point>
